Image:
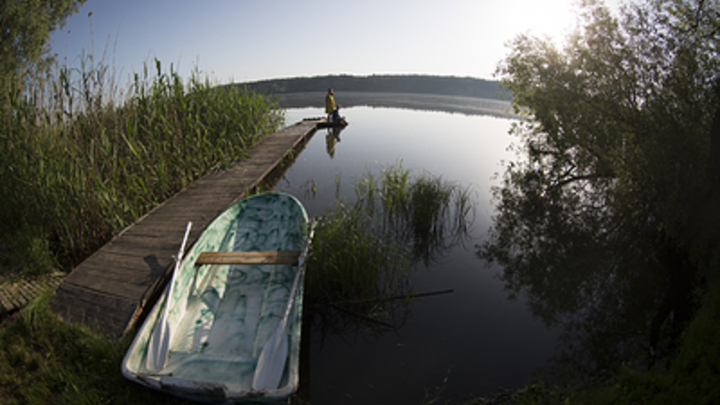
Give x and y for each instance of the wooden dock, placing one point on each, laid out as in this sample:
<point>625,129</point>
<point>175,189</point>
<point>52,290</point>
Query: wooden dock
<point>109,291</point>
<point>15,294</point>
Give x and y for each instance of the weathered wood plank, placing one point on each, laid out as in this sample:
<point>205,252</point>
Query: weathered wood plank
<point>138,257</point>
<point>127,288</point>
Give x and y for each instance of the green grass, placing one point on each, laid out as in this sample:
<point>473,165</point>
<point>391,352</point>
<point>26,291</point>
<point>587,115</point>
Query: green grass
<point>82,160</point>
<point>46,361</point>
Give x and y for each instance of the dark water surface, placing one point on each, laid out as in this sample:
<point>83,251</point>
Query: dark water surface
<point>472,341</point>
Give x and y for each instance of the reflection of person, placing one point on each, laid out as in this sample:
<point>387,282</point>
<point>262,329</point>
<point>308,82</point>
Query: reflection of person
<point>331,139</point>
<point>329,104</point>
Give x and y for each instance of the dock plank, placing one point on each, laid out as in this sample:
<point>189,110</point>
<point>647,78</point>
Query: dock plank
<point>14,294</point>
<point>109,291</point>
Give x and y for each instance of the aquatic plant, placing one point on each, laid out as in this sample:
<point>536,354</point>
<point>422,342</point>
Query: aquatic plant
<point>429,212</point>
<point>363,253</point>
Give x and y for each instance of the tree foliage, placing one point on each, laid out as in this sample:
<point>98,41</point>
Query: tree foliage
<point>615,193</point>
<point>25,27</point>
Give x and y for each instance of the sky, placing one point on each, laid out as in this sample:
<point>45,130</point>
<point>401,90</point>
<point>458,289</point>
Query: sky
<point>249,40</point>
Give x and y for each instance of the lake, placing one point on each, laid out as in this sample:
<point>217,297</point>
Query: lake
<point>473,341</point>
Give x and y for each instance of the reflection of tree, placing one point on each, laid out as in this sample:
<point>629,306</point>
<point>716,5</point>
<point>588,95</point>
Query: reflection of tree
<point>362,254</point>
<point>604,225</point>
<point>577,271</point>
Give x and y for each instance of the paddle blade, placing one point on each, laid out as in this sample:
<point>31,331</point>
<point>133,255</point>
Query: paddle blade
<point>271,363</point>
<point>158,346</point>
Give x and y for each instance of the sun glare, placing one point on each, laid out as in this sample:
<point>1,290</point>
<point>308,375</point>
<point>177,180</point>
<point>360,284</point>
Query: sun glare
<point>553,19</point>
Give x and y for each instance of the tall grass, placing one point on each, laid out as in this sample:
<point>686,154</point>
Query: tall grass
<point>364,253</point>
<point>81,160</point>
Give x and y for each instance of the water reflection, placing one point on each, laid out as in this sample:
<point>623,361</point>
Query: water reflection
<point>580,272</point>
<point>331,139</point>
<point>472,341</point>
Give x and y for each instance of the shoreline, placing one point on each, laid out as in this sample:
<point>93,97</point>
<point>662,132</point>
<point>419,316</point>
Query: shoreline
<point>412,101</point>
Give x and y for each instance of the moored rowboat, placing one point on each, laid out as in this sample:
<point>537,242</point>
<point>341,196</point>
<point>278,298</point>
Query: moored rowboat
<point>238,287</point>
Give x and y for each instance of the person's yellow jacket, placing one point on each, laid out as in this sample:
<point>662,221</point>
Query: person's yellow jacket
<point>329,104</point>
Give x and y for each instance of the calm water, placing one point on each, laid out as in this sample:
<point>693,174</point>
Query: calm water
<point>473,341</point>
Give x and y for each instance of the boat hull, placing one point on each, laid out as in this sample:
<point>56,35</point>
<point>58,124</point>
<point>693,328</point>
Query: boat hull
<point>221,315</point>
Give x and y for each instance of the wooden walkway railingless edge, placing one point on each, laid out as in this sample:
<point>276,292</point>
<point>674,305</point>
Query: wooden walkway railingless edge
<point>110,290</point>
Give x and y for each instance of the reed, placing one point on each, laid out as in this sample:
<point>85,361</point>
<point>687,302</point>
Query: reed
<point>82,160</point>
<point>425,212</point>
<point>368,249</point>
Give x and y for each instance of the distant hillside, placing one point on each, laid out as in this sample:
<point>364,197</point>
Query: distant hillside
<point>416,101</point>
<point>440,85</point>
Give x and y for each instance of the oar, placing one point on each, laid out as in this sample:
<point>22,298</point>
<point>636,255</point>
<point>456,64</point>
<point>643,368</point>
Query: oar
<point>159,344</point>
<point>271,362</point>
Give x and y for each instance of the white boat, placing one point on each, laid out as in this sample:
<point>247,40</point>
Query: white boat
<point>238,288</point>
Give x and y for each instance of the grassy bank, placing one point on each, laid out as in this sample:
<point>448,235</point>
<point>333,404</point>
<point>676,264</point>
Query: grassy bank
<point>46,361</point>
<point>82,159</point>
<point>691,376</point>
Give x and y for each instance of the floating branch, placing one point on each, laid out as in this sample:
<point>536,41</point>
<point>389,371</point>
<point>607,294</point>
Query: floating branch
<point>395,297</point>
<point>367,318</point>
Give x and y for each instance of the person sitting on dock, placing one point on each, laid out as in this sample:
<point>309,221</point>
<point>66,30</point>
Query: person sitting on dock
<point>335,116</point>
<point>330,105</point>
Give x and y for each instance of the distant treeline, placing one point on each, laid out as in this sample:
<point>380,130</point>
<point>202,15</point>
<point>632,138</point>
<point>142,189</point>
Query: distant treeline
<point>442,85</point>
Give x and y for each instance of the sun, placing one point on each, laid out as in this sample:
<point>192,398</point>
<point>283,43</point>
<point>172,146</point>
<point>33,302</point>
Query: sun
<point>553,19</point>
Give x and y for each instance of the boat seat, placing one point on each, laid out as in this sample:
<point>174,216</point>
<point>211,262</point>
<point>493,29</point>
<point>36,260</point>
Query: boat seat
<point>259,257</point>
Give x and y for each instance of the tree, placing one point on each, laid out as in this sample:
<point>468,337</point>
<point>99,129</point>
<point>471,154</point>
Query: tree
<point>25,27</point>
<point>621,145</point>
